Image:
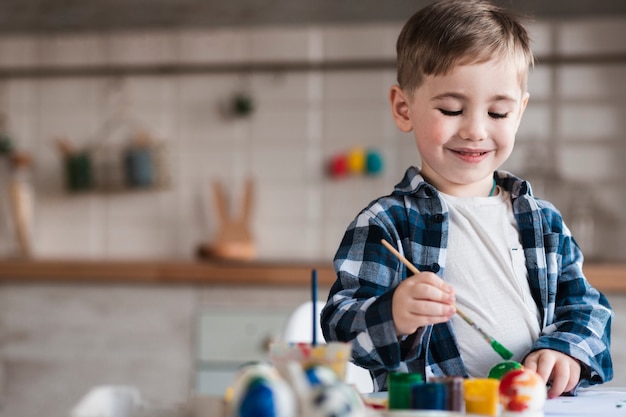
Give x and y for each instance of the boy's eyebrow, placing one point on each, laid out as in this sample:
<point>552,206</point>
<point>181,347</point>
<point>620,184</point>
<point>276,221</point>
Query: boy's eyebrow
<point>459,96</point>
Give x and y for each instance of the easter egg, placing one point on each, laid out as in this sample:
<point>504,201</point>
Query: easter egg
<point>522,390</point>
<point>337,400</point>
<point>499,370</point>
<point>258,400</point>
<point>321,375</point>
<point>259,391</point>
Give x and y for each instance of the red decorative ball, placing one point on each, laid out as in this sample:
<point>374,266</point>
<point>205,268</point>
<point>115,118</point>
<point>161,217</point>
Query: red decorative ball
<point>339,166</point>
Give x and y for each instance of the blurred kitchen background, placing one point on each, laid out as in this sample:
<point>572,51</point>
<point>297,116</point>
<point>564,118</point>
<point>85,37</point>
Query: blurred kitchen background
<point>120,115</point>
<point>96,76</point>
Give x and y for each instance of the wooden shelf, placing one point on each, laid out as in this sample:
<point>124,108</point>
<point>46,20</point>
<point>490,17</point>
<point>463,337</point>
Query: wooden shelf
<point>168,272</point>
<point>605,277</point>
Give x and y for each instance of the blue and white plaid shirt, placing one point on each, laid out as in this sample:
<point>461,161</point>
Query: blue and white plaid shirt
<point>575,317</point>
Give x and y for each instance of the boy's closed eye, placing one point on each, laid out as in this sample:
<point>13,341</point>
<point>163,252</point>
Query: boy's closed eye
<point>451,112</point>
<point>493,115</point>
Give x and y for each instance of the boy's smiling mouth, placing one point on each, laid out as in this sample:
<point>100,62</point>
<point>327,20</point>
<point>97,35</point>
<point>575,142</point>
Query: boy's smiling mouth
<point>470,155</point>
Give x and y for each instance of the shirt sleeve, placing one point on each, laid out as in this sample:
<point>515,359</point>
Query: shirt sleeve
<point>579,317</point>
<point>358,309</point>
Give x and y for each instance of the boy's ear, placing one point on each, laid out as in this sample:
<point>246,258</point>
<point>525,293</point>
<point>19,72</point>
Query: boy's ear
<point>400,108</point>
<point>523,107</point>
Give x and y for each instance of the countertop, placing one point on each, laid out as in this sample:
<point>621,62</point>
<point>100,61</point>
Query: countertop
<point>609,277</point>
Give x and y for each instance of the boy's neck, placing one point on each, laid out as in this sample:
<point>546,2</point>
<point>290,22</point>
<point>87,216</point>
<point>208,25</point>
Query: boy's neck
<point>483,188</point>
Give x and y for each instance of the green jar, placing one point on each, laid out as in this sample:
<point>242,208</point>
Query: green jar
<point>78,172</point>
<point>400,386</point>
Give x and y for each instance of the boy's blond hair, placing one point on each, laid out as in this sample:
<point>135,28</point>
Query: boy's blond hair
<point>458,32</point>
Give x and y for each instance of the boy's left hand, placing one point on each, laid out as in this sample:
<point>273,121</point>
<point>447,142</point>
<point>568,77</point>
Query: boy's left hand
<point>557,368</point>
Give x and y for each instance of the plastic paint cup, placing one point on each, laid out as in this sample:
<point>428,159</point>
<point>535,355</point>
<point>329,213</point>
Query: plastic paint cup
<point>400,389</point>
<point>481,396</point>
<point>429,396</point>
<point>454,384</point>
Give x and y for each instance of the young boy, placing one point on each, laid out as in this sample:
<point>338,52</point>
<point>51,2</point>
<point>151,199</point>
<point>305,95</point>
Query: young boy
<point>480,238</point>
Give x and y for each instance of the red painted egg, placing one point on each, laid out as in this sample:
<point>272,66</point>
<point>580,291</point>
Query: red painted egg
<point>522,390</point>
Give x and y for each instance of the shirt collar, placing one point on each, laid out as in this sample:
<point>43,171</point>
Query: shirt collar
<point>414,183</point>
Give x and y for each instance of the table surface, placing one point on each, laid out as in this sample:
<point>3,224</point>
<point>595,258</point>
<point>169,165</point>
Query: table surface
<point>592,402</point>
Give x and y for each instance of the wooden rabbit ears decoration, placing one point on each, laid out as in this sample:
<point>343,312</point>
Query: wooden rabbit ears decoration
<point>234,238</point>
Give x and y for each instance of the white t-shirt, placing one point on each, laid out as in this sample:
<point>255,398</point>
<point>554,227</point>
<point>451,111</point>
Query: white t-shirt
<point>486,266</point>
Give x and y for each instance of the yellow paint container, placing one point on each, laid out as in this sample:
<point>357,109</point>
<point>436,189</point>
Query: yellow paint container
<point>481,396</point>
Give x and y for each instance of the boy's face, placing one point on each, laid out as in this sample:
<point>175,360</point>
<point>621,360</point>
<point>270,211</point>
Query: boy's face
<point>464,124</point>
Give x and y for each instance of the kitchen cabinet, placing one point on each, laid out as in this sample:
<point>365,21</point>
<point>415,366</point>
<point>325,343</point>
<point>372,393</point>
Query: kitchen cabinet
<point>228,339</point>
<point>59,339</point>
<point>236,325</point>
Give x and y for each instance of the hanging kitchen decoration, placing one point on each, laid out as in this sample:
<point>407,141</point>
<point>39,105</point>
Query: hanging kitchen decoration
<point>144,162</point>
<point>121,155</point>
<point>357,161</point>
<point>77,167</point>
<point>242,105</point>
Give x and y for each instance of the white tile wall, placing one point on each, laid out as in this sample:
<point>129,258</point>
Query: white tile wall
<point>594,36</point>
<point>19,51</point>
<point>571,131</point>
<point>213,46</point>
<point>141,48</point>
<point>592,82</point>
<point>280,44</point>
<point>80,49</point>
<point>362,42</point>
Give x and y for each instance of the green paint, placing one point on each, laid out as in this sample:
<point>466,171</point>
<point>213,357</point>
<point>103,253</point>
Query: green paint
<point>501,350</point>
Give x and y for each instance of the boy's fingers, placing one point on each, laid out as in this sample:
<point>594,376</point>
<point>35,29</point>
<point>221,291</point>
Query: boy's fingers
<point>560,372</point>
<point>542,364</point>
<point>430,287</point>
<point>560,381</point>
<point>431,309</point>
<point>574,376</point>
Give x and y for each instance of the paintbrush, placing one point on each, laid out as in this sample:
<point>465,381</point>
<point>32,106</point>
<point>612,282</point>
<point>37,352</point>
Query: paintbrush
<point>314,305</point>
<point>495,345</point>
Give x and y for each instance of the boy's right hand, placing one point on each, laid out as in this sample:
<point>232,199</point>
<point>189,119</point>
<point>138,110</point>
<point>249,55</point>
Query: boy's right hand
<point>421,300</point>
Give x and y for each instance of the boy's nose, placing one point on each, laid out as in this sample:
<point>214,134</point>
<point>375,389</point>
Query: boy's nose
<point>473,128</point>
